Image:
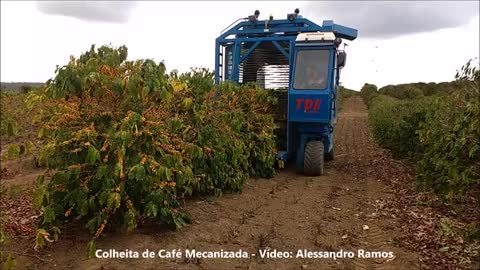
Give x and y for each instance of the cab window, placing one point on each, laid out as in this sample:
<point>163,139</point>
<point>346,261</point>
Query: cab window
<point>311,70</point>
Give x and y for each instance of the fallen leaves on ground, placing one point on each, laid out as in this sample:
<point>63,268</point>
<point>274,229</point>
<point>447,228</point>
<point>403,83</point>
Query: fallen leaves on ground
<point>429,225</point>
<point>17,215</point>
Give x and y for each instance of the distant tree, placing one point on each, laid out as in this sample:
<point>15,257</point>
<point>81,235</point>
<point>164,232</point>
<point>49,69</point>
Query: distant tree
<point>26,88</point>
<point>368,92</point>
<point>369,88</point>
<point>430,89</point>
<point>387,90</point>
<point>410,92</point>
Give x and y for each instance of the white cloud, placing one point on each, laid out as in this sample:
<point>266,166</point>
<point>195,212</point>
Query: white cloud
<point>95,11</point>
<point>183,34</point>
<point>423,57</point>
<point>383,19</point>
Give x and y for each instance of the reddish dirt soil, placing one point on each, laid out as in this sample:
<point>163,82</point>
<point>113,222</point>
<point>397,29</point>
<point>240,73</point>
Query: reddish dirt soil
<point>346,209</point>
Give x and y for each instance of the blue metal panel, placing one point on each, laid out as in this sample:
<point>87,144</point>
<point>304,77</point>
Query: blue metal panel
<point>309,107</point>
<point>340,30</point>
<point>217,59</point>
<point>235,63</point>
<point>289,123</point>
<point>313,129</point>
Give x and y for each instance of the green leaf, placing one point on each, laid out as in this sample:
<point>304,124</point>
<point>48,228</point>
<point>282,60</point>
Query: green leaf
<point>114,200</point>
<point>56,232</point>
<point>151,209</point>
<point>40,180</point>
<point>92,224</point>
<point>117,200</point>
<point>39,195</point>
<point>473,150</point>
<point>13,150</point>
<point>39,238</point>
<point>104,196</point>
<point>48,215</point>
<point>168,174</point>
<point>91,203</point>
<point>9,263</point>
<point>137,172</point>
<point>12,128</point>
<point>102,171</point>
<point>163,212</point>
<point>145,91</point>
<point>111,200</point>
<point>41,131</point>
<point>130,219</point>
<point>188,190</point>
<point>91,249</point>
<point>140,173</point>
<point>165,173</point>
<point>187,103</point>
<point>84,208</point>
<point>93,155</point>
<point>196,152</point>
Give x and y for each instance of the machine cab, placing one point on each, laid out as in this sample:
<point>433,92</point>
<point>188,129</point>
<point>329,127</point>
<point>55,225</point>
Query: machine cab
<point>314,77</point>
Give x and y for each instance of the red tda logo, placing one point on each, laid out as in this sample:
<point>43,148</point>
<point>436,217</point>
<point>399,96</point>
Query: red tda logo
<point>309,105</point>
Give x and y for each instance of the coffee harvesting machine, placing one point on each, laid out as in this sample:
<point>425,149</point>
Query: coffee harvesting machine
<point>300,61</point>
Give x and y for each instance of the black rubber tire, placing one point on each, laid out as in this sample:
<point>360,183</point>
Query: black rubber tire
<point>330,156</point>
<point>313,158</point>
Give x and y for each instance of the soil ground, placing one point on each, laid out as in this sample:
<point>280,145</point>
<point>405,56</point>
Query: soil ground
<point>346,209</point>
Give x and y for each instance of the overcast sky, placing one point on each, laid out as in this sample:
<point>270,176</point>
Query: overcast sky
<point>398,42</point>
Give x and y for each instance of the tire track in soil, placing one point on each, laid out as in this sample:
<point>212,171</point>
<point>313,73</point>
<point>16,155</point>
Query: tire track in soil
<point>287,213</point>
<point>370,190</point>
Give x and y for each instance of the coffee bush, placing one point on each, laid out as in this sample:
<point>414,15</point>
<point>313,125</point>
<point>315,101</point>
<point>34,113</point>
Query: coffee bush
<point>127,141</point>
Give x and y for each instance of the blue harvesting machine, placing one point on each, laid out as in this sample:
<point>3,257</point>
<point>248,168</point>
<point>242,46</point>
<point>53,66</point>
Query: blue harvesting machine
<point>300,62</point>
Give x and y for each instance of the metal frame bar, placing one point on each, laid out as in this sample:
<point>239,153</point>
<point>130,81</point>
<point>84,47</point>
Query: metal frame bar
<point>247,53</point>
<point>285,26</point>
<point>253,39</point>
<point>217,61</point>
<point>236,66</point>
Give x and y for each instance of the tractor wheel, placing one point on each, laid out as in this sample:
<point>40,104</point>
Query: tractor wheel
<point>330,156</point>
<point>313,158</point>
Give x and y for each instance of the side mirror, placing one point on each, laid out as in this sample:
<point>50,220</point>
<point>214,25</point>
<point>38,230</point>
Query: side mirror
<point>341,59</point>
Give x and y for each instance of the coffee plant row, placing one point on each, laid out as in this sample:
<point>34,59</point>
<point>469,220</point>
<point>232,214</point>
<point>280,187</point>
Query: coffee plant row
<point>9,126</point>
<point>439,130</point>
<point>126,141</point>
